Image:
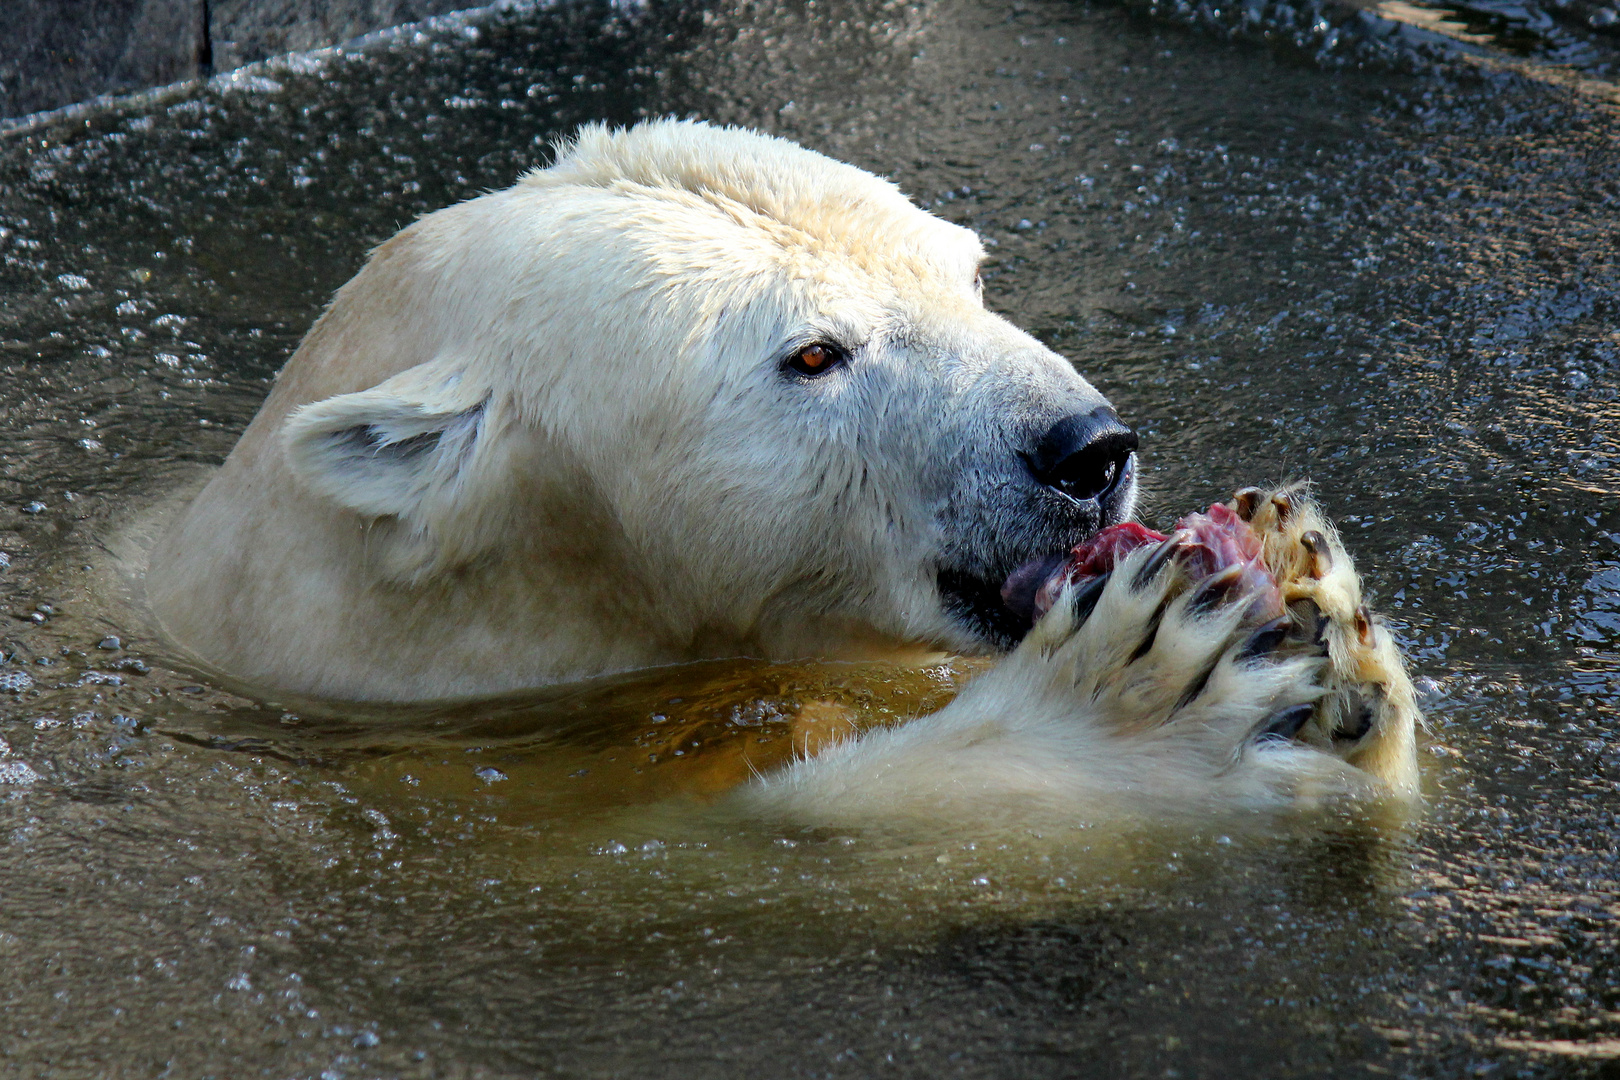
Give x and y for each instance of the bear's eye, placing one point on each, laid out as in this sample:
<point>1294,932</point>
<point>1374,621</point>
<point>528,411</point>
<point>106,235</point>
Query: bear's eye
<point>978,285</point>
<point>815,360</point>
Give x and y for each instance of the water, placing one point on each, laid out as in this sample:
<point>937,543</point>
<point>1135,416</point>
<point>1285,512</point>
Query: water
<point>1403,286</point>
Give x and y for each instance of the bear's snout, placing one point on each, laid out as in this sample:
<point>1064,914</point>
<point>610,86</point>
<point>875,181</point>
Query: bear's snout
<point>1085,456</point>
<point>1063,481</point>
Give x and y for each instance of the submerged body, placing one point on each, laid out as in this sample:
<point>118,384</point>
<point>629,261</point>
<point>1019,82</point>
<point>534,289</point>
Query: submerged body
<point>695,392</point>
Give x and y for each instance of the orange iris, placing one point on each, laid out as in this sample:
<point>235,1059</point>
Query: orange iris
<point>814,357</point>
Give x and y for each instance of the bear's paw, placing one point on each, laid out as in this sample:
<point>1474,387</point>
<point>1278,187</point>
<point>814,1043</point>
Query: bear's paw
<point>1232,663</point>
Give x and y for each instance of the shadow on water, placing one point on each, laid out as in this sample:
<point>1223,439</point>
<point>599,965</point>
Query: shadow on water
<point>1403,286</point>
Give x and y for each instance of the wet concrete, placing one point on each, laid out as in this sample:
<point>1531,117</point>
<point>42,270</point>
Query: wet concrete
<point>55,52</point>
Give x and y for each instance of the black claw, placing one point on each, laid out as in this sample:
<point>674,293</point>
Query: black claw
<point>1086,597</point>
<point>1321,555</point>
<point>1283,726</point>
<point>1266,640</point>
<point>1214,590</point>
<point>1245,501</point>
<point>1195,688</point>
<point>1156,562</point>
<point>1364,628</point>
<point>1150,637</point>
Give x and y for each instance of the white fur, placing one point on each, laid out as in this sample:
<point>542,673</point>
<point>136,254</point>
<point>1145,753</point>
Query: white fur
<point>547,434</point>
<point>1073,727</point>
<point>639,484</point>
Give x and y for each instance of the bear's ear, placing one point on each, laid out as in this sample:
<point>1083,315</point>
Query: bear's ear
<point>398,450</point>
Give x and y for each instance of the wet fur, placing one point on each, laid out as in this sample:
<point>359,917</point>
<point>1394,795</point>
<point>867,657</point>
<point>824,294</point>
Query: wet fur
<point>481,474</point>
<point>1144,699</point>
<point>546,434</point>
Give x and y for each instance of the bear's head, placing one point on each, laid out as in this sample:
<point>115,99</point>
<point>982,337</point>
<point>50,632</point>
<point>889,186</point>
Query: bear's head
<point>712,381</point>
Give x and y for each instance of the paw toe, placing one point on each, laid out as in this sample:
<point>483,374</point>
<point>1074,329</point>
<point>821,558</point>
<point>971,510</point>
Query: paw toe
<point>1161,557</point>
<point>1366,714</point>
<point>1217,589</point>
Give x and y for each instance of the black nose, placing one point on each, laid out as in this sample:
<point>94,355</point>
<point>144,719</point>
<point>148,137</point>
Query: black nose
<point>1085,455</point>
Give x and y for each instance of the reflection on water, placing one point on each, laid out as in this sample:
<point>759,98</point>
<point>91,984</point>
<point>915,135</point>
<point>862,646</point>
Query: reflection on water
<point>697,730</point>
<point>1402,287</point>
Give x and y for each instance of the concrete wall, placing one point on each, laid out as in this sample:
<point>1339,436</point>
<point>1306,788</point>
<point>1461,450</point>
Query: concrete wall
<point>55,52</point>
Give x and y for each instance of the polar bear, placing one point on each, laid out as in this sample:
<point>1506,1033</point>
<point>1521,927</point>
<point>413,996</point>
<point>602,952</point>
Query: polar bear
<point>695,392</point>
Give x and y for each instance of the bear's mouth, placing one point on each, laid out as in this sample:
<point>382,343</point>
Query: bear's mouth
<point>1204,544</point>
<point>976,603</point>
<point>996,606</point>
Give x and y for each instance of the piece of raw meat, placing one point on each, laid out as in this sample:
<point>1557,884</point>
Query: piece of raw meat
<point>1206,544</point>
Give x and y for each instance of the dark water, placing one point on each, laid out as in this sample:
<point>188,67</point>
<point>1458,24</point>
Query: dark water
<point>1402,286</point>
